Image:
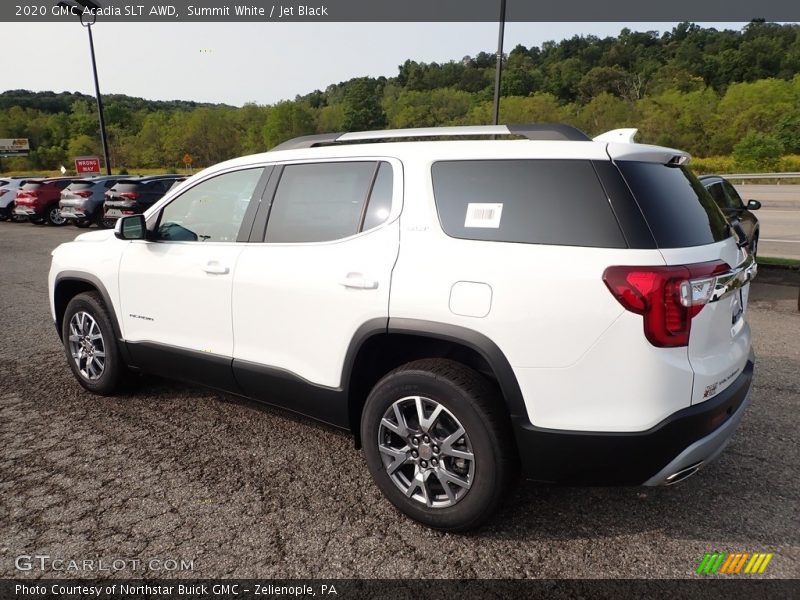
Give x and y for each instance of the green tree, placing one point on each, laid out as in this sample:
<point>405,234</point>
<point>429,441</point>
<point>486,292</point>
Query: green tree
<point>362,105</point>
<point>758,151</point>
<point>287,120</point>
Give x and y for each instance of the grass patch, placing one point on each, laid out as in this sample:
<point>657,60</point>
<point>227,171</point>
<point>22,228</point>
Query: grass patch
<point>773,261</point>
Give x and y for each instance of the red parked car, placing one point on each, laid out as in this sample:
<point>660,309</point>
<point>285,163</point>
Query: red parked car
<point>38,200</point>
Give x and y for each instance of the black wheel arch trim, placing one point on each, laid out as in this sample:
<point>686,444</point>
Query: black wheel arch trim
<point>92,280</point>
<point>485,347</point>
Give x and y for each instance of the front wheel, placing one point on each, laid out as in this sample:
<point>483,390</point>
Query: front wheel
<point>438,443</point>
<point>90,345</point>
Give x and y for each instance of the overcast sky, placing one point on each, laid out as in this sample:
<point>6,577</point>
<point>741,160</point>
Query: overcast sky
<point>236,63</point>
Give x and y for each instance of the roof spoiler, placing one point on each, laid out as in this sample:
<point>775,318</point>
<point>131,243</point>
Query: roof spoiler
<point>535,131</point>
<point>619,136</point>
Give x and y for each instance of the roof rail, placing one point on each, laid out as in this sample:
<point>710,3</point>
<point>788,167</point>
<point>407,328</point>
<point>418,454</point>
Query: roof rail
<point>536,131</point>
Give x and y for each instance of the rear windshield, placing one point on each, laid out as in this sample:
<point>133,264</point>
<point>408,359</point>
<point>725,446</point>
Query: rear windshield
<point>678,209</point>
<point>558,202</point>
<point>126,186</point>
<point>80,185</point>
<point>31,185</point>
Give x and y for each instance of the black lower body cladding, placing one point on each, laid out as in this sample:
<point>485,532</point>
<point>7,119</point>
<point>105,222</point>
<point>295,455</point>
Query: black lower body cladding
<point>610,458</point>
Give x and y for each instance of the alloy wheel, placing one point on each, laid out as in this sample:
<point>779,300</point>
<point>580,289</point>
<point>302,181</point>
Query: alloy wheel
<point>87,346</point>
<point>55,217</point>
<point>426,451</point>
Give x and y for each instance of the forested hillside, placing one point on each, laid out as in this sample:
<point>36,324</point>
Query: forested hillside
<point>710,92</point>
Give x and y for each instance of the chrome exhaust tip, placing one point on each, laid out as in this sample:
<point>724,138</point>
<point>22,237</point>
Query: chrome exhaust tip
<point>683,473</point>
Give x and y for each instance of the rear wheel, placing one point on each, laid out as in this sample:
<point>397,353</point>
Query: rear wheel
<point>82,223</point>
<point>54,217</point>
<point>14,217</point>
<point>106,223</point>
<point>438,444</point>
<point>91,346</point>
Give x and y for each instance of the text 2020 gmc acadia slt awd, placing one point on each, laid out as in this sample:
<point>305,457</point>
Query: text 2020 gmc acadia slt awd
<point>573,308</point>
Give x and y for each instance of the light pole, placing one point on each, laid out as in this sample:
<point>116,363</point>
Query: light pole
<point>499,68</point>
<point>93,5</point>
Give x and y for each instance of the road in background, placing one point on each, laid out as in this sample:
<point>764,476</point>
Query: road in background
<point>779,216</point>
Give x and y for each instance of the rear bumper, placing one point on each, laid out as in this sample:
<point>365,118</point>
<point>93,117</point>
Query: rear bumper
<point>664,454</point>
<point>28,211</point>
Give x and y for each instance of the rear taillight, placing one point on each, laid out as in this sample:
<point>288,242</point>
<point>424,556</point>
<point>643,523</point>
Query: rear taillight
<point>129,195</point>
<point>83,193</point>
<point>667,297</point>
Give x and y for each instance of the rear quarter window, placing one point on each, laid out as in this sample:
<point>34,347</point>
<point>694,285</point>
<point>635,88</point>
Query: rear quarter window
<point>558,202</point>
<point>680,212</point>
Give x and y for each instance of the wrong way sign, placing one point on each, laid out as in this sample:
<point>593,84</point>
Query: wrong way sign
<point>85,165</point>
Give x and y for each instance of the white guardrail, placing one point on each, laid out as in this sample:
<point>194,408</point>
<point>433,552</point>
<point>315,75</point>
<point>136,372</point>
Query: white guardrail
<point>761,176</point>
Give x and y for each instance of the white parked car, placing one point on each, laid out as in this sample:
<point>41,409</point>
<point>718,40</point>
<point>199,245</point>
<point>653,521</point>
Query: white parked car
<point>573,308</point>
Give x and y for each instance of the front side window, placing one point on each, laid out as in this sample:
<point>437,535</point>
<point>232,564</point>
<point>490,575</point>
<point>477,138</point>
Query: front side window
<point>211,211</point>
<point>734,199</point>
<point>322,202</point>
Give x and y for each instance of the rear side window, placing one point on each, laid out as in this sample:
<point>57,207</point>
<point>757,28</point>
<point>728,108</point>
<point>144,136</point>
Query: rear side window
<point>679,210</point>
<point>559,202</point>
<point>321,202</point>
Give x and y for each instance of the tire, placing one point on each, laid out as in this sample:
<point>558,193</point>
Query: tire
<point>104,223</point>
<point>85,318</point>
<point>14,218</point>
<point>453,493</point>
<point>53,217</point>
<point>82,223</point>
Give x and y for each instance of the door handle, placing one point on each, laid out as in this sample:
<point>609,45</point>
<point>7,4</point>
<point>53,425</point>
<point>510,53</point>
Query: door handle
<point>214,268</point>
<point>358,281</point>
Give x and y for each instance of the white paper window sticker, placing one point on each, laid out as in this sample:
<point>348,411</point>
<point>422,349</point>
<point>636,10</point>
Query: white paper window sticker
<point>484,215</point>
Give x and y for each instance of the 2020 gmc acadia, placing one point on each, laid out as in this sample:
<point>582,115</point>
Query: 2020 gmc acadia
<point>570,307</point>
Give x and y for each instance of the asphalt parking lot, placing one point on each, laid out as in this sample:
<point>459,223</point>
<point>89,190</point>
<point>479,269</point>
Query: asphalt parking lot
<point>171,472</point>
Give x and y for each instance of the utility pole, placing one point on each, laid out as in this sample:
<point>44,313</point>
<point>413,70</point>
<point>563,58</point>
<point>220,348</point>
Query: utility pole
<point>79,5</point>
<point>499,68</point>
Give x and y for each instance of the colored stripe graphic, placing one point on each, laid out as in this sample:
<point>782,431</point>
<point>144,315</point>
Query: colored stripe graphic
<point>741,562</point>
<point>764,564</point>
<point>732,564</point>
<point>726,566</point>
<point>701,568</point>
<point>718,564</point>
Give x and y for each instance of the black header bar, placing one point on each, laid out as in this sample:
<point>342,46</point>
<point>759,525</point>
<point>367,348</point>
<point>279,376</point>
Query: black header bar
<point>191,11</point>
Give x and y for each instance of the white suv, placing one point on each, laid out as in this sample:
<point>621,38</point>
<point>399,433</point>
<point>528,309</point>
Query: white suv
<point>573,308</point>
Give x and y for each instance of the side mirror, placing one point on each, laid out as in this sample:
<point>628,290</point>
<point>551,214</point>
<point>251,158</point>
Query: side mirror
<point>753,205</point>
<point>132,227</point>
